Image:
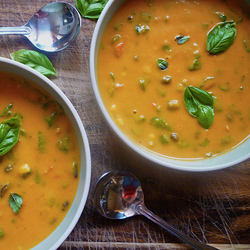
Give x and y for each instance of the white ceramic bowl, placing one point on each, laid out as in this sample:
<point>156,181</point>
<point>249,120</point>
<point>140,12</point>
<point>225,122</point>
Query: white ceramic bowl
<point>54,240</point>
<point>231,158</point>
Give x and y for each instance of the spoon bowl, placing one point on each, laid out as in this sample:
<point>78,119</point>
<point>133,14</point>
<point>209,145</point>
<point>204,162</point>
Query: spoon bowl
<point>119,195</point>
<point>50,29</point>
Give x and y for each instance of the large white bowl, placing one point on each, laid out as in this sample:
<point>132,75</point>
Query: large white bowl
<point>54,240</point>
<point>237,155</point>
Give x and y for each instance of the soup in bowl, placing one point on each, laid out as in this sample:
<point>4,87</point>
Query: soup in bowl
<point>172,79</point>
<point>45,161</point>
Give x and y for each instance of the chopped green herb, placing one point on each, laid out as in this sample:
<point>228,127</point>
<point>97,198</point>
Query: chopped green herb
<point>164,139</point>
<point>160,123</point>
<point>141,28</point>
<point>166,47</point>
<point>37,177</point>
<point>63,144</point>
<point>143,83</point>
<point>6,111</point>
<point>112,76</point>
<point>51,119</point>
<point>162,63</point>
<point>15,202</point>
<point>222,16</point>
<point>196,64</point>
<point>182,39</point>
<point>41,142</point>
<point>205,143</point>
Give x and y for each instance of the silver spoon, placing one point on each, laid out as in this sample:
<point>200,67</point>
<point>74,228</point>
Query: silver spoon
<point>50,29</point>
<point>118,195</point>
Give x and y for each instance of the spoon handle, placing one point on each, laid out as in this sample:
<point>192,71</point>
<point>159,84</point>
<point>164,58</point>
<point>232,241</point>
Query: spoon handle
<point>141,209</point>
<point>22,30</point>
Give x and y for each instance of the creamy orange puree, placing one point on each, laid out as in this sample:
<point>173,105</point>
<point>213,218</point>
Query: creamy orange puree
<point>38,168</point>
<point>135,90</point>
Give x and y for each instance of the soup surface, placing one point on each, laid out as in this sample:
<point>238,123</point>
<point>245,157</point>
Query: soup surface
<point>39,174</point>
<point>174,75</point>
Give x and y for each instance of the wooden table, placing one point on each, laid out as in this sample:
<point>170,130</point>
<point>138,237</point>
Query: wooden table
<point>211,207</point>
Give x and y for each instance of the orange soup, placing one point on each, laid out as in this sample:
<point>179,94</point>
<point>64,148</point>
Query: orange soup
<point>39,163</point>
<point>175,75</point>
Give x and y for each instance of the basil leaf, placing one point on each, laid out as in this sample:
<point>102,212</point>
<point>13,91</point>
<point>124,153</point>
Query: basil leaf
<point>182,39</point>
<point>221,37</point>
<point>200,104</point>
<point>9,132</point>
<point>90,8</point>
<point>163,65</point>
<point>1,233</point>
<point>35,60</point>
<point>15,202</point>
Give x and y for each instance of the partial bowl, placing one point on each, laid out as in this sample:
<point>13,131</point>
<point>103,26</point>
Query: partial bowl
<point>55,239</point>
<point>233,157</point>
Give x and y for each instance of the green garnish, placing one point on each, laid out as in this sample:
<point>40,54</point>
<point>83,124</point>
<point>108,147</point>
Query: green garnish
<point>90,8</point>
<point>15,202</point>
<point>182,39</point>
<point>35,60</point>
<point>162,63</point>
<point>9,133</point>
<point>221,37</point>
<point>200,104</point>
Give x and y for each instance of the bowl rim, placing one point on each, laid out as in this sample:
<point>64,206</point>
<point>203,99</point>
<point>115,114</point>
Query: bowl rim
<point>58,236</point>
<point>183,165</point>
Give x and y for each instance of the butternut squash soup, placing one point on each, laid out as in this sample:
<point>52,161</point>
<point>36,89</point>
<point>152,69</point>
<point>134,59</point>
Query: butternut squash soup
<point>174,75</point>
<point>39,159</point>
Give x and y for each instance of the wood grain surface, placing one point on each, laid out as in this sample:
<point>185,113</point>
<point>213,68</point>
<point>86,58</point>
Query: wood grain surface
<point>211,207</point>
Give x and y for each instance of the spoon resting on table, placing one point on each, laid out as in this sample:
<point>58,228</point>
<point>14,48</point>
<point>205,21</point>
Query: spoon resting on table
<point>50,29</point>
<point>118,195</point>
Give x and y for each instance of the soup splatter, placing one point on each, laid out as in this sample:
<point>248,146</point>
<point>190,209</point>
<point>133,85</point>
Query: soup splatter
<point>174,75</point>
<point>39,164</point>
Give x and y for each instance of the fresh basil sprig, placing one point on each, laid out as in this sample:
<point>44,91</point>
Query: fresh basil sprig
<point>221,37</point>
<point>200,104</point>
<point>15,202</point>
<point>90,8</point>
<point>9,133</point>
<point>35,60</point>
